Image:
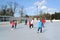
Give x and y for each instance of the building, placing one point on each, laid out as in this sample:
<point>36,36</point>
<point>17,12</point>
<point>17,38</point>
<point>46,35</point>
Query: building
<point>4,18</point>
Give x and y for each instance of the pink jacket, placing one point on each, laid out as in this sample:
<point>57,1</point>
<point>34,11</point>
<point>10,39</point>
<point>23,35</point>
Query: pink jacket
<point>12,23</point>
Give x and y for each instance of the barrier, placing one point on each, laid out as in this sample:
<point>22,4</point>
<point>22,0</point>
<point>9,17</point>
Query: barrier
<point>4,23</point>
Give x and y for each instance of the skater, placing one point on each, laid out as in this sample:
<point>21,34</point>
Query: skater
<point>15,23</point>
<point>39,25</point>
<point>25,21</point>
<point>12,24</point>
<point>31,25</point>
<point>43,22</point>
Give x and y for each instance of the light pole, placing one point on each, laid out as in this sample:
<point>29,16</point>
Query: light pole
<point>37,10</point>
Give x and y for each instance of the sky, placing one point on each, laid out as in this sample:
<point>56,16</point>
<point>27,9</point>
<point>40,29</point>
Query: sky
<point>30,6</point>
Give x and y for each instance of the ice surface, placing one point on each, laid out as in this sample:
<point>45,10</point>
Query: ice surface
<point>50,32</point>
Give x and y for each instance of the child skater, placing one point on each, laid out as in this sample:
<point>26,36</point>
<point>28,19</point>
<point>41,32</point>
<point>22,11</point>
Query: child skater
<point>29,24</point>
<point>39,25</point>
<point>12,24</point>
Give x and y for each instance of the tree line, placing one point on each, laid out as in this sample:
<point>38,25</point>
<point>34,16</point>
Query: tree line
<point>10,8</point>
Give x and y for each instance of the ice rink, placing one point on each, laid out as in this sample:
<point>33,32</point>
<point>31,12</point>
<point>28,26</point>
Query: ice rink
<point>23,32</point>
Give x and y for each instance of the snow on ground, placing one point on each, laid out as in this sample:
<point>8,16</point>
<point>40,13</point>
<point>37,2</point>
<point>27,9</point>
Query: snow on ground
<point>50,32</point>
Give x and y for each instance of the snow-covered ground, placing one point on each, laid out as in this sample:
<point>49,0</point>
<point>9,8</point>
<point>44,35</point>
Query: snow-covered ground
<point>50,32</point>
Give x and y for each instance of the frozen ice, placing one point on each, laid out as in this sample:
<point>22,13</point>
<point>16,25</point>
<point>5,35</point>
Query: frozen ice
<point>22,32</point>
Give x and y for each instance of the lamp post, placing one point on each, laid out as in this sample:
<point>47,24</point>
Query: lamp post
<point>37,10</point>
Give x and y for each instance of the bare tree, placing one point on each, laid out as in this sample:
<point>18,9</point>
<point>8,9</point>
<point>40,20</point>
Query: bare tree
<point>13,6</point>
<point>3,10</point>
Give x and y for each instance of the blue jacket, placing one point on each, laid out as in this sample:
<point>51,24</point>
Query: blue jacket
<point>40,24</point>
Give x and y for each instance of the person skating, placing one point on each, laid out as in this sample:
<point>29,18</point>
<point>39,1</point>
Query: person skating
<point>32,23</point>
<point>29,24</point>
<point>40,25</point>
<point>15,23</point>
<point>12,24</point>
<point>43,22</point>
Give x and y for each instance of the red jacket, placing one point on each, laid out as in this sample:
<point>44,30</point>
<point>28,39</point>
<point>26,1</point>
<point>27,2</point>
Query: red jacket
<point>43,20</point>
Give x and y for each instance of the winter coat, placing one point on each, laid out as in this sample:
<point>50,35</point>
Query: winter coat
<point>40,24</point>
<point>43,21</point>
<point>12,23</point>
